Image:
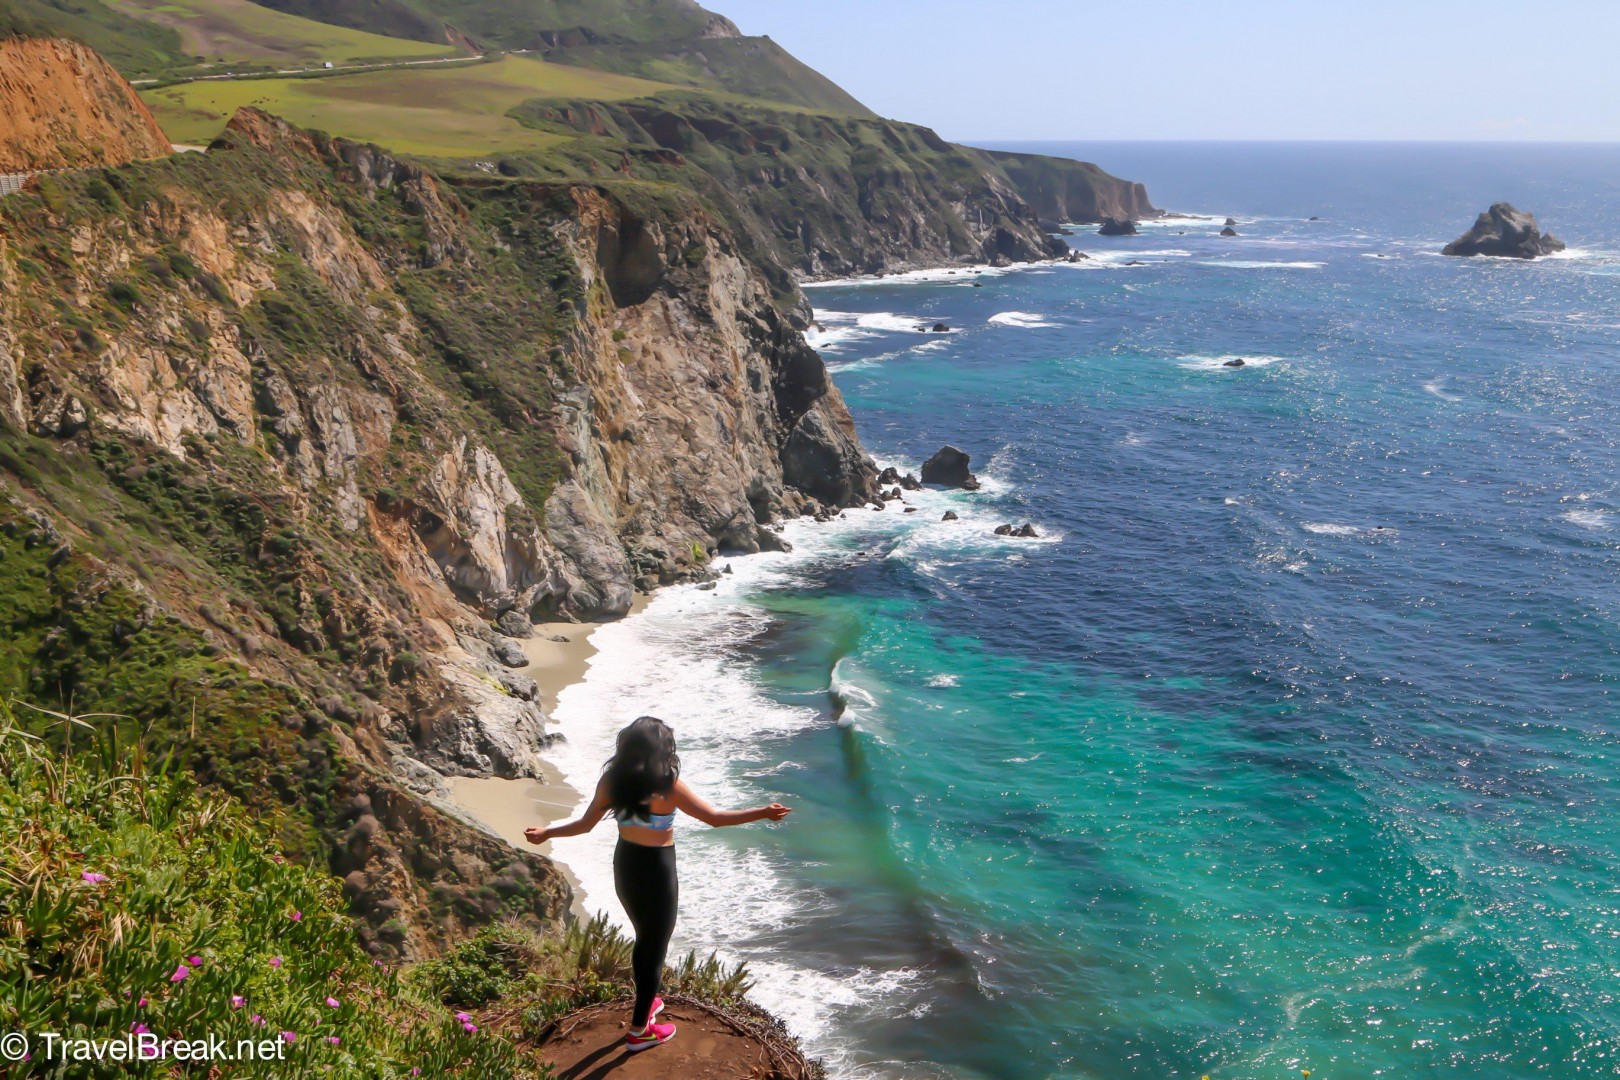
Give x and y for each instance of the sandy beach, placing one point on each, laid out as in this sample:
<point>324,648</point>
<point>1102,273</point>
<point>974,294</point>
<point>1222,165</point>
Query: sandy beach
<point>559,655</point>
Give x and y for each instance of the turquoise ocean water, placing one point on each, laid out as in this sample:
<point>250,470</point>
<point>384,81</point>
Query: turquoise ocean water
<point>1289,745</point>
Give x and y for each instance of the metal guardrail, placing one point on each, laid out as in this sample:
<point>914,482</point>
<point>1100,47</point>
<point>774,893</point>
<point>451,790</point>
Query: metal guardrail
<point>11,183</point>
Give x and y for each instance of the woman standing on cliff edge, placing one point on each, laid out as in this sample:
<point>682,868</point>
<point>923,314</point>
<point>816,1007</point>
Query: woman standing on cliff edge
<point>642,786</point>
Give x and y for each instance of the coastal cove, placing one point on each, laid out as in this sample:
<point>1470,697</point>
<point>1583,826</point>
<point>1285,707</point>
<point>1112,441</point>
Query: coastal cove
<point>1172,778</point>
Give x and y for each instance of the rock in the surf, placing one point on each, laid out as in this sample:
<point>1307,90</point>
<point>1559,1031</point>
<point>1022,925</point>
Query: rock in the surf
<point>910,482</point>
<point>1236,361</point>
<point>1229,231</point>
<point>1117,227</point>
<point>1230,222</point>
<point>941,328</point>
<point>950,515</point>
<point>1505,231</point>
<point>949,468</point>
<point>891,475</point>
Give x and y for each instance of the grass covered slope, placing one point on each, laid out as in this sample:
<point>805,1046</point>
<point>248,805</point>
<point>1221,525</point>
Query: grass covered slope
<point>136,47</point>
<point>131,901</point>
<point>454,111</point>
<point>675,41</point>
<point>134,902</point>
<point>240,32</point>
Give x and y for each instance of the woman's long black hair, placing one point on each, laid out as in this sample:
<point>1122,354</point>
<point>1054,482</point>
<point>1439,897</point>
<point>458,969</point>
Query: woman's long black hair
<point>644,764</point>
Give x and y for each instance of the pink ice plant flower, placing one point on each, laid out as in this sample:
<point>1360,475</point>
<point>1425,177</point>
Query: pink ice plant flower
<point>237,1001</point>
<point>139,1029</point>
<point>463,1017</point>
<point>256,1019</point>
<point>333,1003</point>
<point>333,1039</point>
<point>92,877</point>
<point>469,1027</point>
<point>297,916</point>
<point>194,961</point>
<point>275,961</point>
<point>141,1004</point>
<point>181,973</point>
<point>289,1036</point>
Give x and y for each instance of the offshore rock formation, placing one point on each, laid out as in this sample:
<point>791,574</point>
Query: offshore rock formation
<point>1505,231</point>
<point>64,107</point>
<point>332,417</point>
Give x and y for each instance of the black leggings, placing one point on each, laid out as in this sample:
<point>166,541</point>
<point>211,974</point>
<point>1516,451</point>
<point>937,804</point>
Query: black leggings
<point>644,878</point>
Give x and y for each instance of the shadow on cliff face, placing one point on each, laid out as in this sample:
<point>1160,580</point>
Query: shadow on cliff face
<point>630,253</point>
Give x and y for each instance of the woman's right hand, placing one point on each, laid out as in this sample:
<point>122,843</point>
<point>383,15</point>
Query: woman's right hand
<point>776,811</point>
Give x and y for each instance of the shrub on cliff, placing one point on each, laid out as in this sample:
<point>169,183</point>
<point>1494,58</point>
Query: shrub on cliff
<point>133,902</point>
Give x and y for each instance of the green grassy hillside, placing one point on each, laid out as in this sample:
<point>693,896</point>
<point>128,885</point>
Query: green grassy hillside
<point>236,32</point>
<point>136,47</point>
<point>450,111</point>
<point>674,41</point>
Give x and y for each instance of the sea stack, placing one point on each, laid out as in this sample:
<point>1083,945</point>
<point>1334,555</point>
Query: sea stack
<point>1507,232</point>
<point>949,468</point>
<point>1117,227</point>
<point>1228,231</point>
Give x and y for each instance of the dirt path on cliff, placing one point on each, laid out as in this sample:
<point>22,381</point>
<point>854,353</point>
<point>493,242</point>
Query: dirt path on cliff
<point>708,1045</point>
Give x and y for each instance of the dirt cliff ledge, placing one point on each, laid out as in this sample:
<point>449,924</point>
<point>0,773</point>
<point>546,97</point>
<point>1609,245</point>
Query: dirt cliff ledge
<point>62,106</point>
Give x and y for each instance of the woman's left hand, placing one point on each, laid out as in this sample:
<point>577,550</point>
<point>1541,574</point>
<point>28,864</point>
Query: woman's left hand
<point>534,834</point>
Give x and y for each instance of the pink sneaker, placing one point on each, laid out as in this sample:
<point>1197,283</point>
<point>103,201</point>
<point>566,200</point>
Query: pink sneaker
<point>654,1035</point>
<point>657,1007</point>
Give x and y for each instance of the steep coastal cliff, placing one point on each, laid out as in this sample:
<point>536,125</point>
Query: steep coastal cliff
<point>821,196</point>
<point>1060,189</point>
<point>64,107</point>
<point>322,415</point>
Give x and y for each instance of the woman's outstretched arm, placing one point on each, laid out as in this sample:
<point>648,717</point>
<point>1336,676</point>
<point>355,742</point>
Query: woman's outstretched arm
<point>690,802</point>
<point>600,804</point>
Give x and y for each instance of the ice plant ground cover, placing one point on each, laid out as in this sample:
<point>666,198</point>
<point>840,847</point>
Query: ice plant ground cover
<point>131,901</point>
<point>134,902</point>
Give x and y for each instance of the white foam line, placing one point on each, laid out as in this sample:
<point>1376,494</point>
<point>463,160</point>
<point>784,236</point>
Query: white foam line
<point>678,659</point>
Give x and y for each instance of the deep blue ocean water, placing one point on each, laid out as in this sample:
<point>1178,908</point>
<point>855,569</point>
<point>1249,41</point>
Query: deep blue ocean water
<point>1289,745</point>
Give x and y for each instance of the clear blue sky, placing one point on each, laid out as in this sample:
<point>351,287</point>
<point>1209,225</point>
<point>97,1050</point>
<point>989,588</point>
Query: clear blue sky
<point>1219,69</point>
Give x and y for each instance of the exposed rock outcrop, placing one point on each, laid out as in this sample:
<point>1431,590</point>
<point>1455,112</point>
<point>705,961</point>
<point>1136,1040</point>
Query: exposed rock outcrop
<point>1117,227</point>
<point>1506,232</point>
<point>949,468</point>
<point>62,106</point>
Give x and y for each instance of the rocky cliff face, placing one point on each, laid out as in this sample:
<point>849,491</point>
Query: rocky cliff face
<point>821,196</point>
<point>335,417</point>
<point>1063,190</point>
<point>65,107</point>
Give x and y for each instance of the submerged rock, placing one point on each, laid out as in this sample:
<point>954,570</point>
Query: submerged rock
<point>1025,530</point>
<point>949,468</point>
<point>1117,227</point>
<point>1504,231</point>
<point>1236,361</point>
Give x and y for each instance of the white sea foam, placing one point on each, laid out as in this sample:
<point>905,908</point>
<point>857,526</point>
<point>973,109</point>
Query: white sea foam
<point>943,680</point>
<point>1198,362</point>
<point>679,659</point>
<point>1256,264</point>
<point>963,274</point>
<point>1328,528</point>
<point>1019,318</point>
<point>1596,520</point>
<point>1438,389</point>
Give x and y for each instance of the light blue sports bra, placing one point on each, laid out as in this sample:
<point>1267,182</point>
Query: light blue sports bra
<point>642,817</point>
